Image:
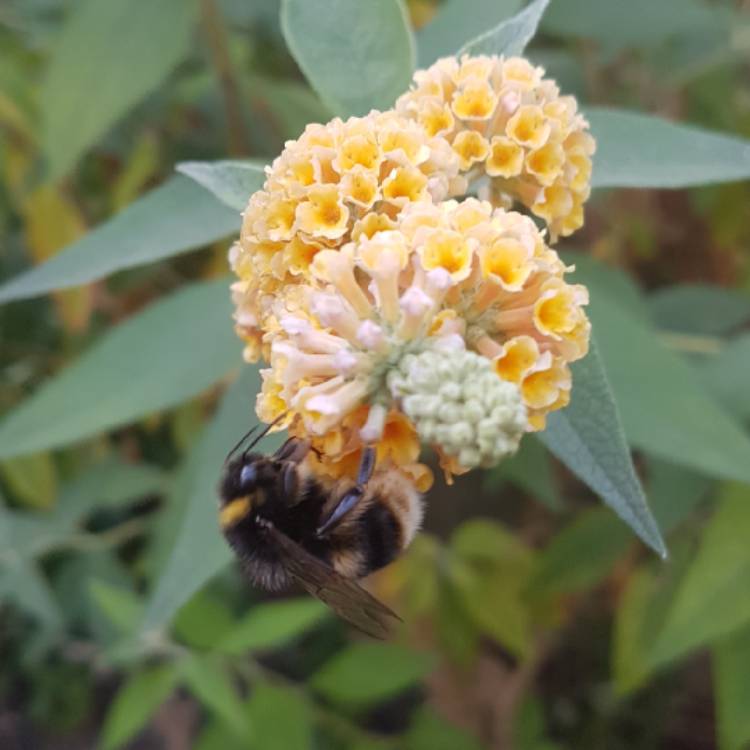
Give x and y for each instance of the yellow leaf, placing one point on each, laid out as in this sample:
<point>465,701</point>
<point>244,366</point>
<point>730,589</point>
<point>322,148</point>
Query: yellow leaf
<point>32,479</point>
<point>140,167</point>
<point>52,221</point>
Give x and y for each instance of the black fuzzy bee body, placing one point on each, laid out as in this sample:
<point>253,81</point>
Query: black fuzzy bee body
<point>286,524</point>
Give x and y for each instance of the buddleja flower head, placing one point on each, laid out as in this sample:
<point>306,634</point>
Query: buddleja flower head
<point>393,316</point>
<point>336,183</point>
<point>508,123</point>
<point>472,290</point>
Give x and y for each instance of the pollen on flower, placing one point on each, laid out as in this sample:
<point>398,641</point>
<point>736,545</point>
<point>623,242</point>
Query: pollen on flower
<point>334,183</point>
<point>539,145</point>
<point>393,316</point>
<point>381,342</point>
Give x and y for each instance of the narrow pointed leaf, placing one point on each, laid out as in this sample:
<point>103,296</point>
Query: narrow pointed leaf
<point>232,182</point>
<point>699,308</point>
<point>665,408</point>
<point>712,600</point>
<point>509,37</point>
<point>211,683</point>
<point>271,625</point>
<point>453,26</point>
<point>282,718</point>
<point>726,374</point>
<point>358,56</point>
<point>173,350</point>
<point>176,217</point>
<point>640,23</point>
<point>197,527</point>
<point>638,150</point>
<point>365,673</point>
<point>135,703</point>
<point>731,659</point>
<point>109,57</point>
<point>588,438</point>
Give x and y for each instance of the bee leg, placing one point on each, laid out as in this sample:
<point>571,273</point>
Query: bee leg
<point>352,496</point>
<point>293,450</point>
<point>290,480</point>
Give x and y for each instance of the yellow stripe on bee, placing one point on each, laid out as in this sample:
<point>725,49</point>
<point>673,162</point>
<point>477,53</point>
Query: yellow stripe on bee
<point>235,511</point>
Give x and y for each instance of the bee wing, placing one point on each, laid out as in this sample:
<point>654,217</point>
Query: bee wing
<point>344,596</point>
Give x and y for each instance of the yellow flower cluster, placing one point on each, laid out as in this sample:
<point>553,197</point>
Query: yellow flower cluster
<point>336,182</point>
<point>452,276</point>
<point>508,122</point>
<point>392,315</point>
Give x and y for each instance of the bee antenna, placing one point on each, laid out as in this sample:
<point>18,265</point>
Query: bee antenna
<point>261,435</point>
<point>241,441</point>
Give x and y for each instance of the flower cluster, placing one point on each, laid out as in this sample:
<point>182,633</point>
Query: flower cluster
<point>336,182</point>
<point>393,315</point>
<point>508,122</point>
<point>452,277</point>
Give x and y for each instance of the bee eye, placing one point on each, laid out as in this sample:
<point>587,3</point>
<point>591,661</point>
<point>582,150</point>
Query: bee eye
<point>248,476</point>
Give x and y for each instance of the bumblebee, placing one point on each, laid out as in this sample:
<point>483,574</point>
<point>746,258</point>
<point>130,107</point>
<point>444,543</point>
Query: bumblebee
<point>287,525</point>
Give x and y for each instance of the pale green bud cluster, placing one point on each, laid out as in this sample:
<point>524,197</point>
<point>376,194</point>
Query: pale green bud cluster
<point>456,401</point>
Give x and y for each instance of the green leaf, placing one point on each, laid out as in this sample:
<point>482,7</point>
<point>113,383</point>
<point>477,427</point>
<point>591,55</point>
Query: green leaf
<point>530,469</point>
<point>212,685</point>
<point>604,280</point>
<point>699,308</point>
<point>588,438</point>
<point>173,350</point>
<point>203,621</point>
<point>511,36</point>
<point>24,536</point>
<point>215,735</point>
<point>493,599</point>
<point>292,105</point>
<point>712,600</point>
<point>135,703</point>
<point>32,479</point>
<point>630,665</point>
<point>638,150</point>
<point>366,673</point>
<point>530,727</point>
<point>664,408</point>
<point>358,56</point>
<point>456,629</point>
<point>731,661</point>
<point>430,731</point>
<point>108,483</point>
<point>271,625</point>
<point>563,66</point>
<point>487,540</point>
<point>121,606</point>
<point>232,182</point>
<point>197,527</point>
<point>22,582</point>
<point>641,611</point>
<point>726,375</point>
<point>674,492</point>
<point>176,217</point>
<point>108,58</point>
<point>282,719</point>
<point>453,25</point>
<point>581,555</point>
<point>636,22</point>
<point>489,578</point>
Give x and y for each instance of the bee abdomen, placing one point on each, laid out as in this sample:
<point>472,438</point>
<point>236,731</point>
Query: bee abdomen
<point>381,537</point>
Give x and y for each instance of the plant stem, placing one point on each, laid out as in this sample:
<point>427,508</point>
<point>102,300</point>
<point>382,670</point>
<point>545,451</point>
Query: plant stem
<point>218,44</point>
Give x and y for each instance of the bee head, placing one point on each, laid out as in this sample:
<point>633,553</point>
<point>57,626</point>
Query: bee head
<point>245,487</point>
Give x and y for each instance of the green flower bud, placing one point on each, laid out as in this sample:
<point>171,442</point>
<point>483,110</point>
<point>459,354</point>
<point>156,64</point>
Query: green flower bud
<point>456,401</point>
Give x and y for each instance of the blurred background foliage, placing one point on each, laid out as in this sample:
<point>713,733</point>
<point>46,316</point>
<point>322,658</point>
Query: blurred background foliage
<point>533,617</point>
